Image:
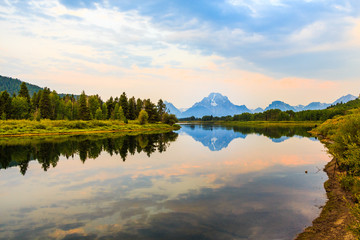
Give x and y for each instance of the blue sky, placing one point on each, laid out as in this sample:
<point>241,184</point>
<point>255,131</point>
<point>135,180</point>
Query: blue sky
<point>253,51</point>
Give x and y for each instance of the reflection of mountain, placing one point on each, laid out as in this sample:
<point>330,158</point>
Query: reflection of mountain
<point>217,137</point>
<point>280,139</point>
<point>213,137</point>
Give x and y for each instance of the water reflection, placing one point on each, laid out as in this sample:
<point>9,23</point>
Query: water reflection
<point>217,137</point>
<point>252,189</point>
<point>19,152</point>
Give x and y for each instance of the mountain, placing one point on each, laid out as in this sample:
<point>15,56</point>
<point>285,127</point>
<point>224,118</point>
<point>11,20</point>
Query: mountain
<point>172,109</point>
<point>280,105</point>
<point>12,85</point>
<point>216,105</point>
<point>344,99</point>
<point>257,110</point>
<point>315,106</point>
<point>311,106</point>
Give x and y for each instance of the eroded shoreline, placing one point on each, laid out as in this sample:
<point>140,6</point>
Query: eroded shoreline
<point>335,216</point>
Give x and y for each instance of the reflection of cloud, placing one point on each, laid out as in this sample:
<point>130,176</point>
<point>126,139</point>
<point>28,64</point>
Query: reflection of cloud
<point>66,234</point>
<point>255,189</point>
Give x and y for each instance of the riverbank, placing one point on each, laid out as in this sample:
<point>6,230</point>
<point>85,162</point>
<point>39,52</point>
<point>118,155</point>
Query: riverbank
<point>19,128</point>
<point>335,217</point>
<point>340,217</point>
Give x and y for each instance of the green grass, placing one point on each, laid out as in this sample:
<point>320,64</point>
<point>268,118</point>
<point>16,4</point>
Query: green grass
<point>342,138</point>
<point>27,127</point>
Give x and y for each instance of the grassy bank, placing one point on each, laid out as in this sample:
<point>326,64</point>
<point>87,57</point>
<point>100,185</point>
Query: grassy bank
<point>341,135</point>
<point>54,127</point>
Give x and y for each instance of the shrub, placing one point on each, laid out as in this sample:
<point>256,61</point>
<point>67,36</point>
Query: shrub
<point>143,117</point>
<point>169,119</point>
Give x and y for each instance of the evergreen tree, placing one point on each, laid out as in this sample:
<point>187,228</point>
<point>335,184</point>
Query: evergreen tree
<point>54,103</point>
<point>151,110</point>
<point>161,109</point>
<point>68,111</point>
<point>132,109</point>
<point>139,106</point>
<point>118,113</point>
<point>76,110</point>
<point>84,112</point>
<point>94,103</point>
<point>5,105</point>
<point>98,114</point>
<point>35,99</point>
<point>124,104</point>
<point>110,107</point>
<point>45,104</point>
<point>24,92</point>
<point>104,111</point>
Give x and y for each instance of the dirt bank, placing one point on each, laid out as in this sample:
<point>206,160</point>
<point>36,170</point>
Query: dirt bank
<point>335,217</point>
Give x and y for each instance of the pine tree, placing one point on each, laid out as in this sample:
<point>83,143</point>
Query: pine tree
<point>104,110</point>
<point>84,112</point>
<point>24,92</point>
<point>132,108</point>
<point>45,104</point>
<point>139,107</point>
<point>5,105</point>
<point>161,109</point>
<point>151,110</point>
<point>110,107</point>
<point>124,104</point>
<point>94,104</point>
<point>98,114</point>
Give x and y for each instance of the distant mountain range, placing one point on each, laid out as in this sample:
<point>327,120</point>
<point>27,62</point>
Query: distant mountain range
<point>218,105</point>
<point>215,104</point>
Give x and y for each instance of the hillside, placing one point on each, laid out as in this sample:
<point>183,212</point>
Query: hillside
<point>12,85</point>
<point>346,106</point>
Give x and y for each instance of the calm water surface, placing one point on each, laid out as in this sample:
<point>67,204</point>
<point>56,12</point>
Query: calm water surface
<point>201,182</point>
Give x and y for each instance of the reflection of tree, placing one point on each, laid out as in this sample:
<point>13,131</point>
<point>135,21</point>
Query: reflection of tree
<point>274,131</point>
<point>48,152</point>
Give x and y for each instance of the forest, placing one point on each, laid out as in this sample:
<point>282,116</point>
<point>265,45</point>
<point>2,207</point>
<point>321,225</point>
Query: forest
<point>47,104</point>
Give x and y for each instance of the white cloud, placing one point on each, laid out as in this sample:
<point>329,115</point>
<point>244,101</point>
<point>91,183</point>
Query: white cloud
<point>310,32</point>
<point>124,49</point>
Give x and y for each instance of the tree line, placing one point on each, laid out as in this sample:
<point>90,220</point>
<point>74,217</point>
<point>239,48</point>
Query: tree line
<point>276,115</point>
<point>47,104</point>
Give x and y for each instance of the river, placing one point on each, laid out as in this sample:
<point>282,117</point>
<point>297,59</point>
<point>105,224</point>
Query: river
<point>200,182</point>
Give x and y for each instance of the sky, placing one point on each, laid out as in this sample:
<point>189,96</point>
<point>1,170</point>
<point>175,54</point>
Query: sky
<point>253,51</point>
